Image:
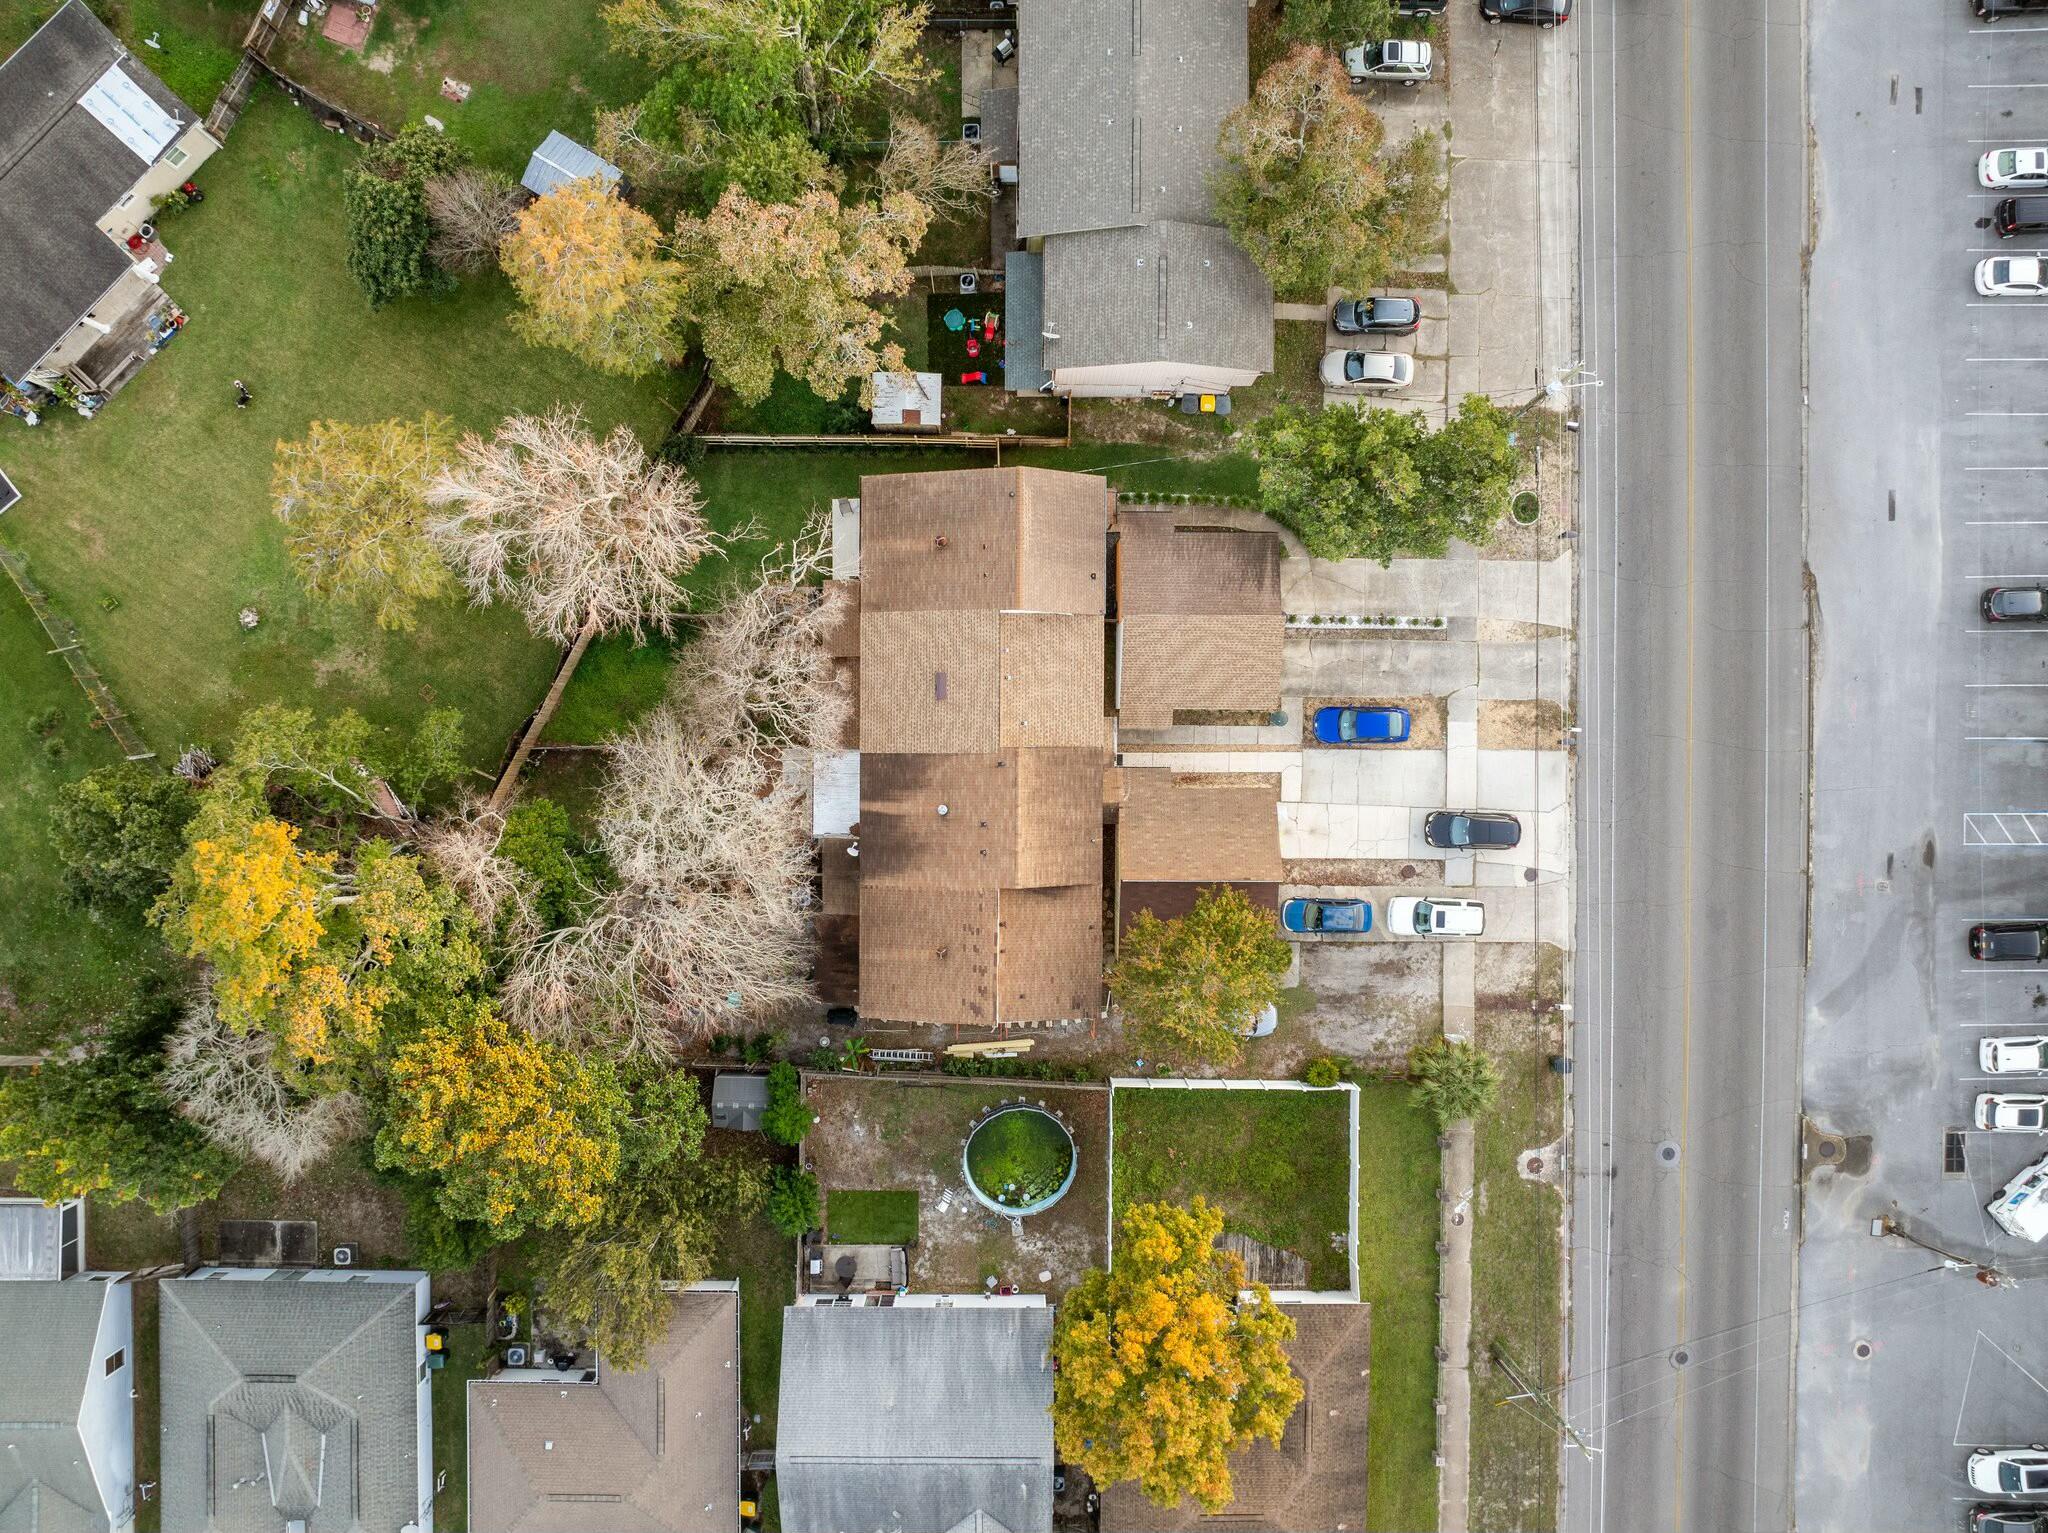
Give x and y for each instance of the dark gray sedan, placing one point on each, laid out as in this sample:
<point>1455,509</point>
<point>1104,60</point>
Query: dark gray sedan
<point>1474,828</point>
<point>1377,316</point>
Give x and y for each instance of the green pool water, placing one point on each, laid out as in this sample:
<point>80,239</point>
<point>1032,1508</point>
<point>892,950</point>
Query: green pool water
<point>1020,1161</point>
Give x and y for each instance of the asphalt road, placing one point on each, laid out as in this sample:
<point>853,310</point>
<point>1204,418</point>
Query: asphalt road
<point>1692,771</point>
<point>1927,458</point>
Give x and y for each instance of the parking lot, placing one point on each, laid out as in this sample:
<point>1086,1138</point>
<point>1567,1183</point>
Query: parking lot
<point>1928,462</point>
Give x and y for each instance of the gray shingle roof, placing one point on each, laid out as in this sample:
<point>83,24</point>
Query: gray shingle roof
<point>45,1484</point>
<point>914,1419</point>
<point>1171,292</point>
<point>290,1396</point>
<point>559,160</point>
<point>1024,318</point>
<point>60,172</point>
<point>737,1101</point>
<point>1118,107</point>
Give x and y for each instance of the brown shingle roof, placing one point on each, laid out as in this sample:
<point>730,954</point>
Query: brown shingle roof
<point>1016,539</point>
<point>1169,902</point>
<point>980,681</point>
<point>1049,964</point>
<point>1316,1478</point>
<point>1188,570</point>
<point>1197,662</point>
<point>1196,832</point>
<point>652,1451</point>
<point>928,955</point>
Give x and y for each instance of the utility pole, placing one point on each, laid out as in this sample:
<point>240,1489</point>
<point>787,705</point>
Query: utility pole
<point>1537,1397</point>
<point>1990,1277</point>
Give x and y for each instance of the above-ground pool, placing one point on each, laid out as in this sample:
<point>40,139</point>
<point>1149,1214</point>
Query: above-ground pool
<point>1020,1160</point>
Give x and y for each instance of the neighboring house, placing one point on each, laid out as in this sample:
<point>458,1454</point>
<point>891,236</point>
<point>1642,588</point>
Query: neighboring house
<point>89,140</point>
<point>67,1443</point>
<point>1176,837</point>
<point>1199,624</point>
<point>982,746</point>
<point>560,160</point>
<point>296,1400</point>
<point>1127,285</point>
<point>41,1241</point>
<point>656,1450</point>
<point>915,1420</point>
<point>1316,1478</point>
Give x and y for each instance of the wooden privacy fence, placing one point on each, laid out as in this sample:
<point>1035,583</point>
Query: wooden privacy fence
<point>982,440</point>
<point>64,637</point>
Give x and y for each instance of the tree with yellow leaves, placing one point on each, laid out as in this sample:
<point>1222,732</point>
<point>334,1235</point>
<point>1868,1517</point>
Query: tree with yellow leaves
<point>251,902</point>
<point>587,266</point>
<point>1161,1371</point>
<point>794,286</point>
<point>1194,986</point>
<point>518,1134</point>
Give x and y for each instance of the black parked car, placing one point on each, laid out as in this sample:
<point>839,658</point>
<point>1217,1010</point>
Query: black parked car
<point>2020,215</point>
<point>1420,7</point>
<point>1477,827</point>
<point>2016,604</point>
<point>1991,10</point>
<point>1538,13</point>
<point>2007,1519</point>
<point>1376,316</point>
<point>2009,942</point>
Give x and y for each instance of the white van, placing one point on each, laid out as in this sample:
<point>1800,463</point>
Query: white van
<point>2022,1208</point>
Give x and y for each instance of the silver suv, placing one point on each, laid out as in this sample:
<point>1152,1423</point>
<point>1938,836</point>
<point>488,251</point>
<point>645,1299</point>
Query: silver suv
<point>1397,59</point>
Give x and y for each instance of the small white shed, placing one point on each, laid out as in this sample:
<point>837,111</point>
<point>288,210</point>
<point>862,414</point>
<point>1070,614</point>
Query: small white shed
<point>560,160</point>
<point>906,402</point>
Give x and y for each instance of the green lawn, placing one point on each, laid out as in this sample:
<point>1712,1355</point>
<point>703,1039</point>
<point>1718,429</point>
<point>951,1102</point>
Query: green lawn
<point>1273,1161</point>
<point>531,67</point>
<point>872,1218</point>
<point>151,526</point>
<point>765,1264</point>
<point>467,1346</point>
<point>198,42</point>
<point>59,962</point>
<point>616,682</point>
<point>1398,1174</point>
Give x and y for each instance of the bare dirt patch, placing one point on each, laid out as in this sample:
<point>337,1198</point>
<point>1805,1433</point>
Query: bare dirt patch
<point>1554,494</point>
<point>1500,630</point>
<point>1425,721</point>
<point>881,1134</point>
<point>1352,872</point>
<point>1520,725</point>
<point>1374,1001</point>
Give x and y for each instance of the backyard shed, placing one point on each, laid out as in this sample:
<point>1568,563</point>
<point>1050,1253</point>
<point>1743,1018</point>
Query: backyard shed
<point>560,160</point>
<point>737,1102</point>
<point>39,1242</point>
<point>906,402</point>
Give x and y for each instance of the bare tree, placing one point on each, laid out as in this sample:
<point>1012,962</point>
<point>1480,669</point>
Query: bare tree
<point>948,178</point>
<point>758,675</point>
<point>584,536</point>
<point>712,854</point>
<point>472,210</point>
<point>228,1083</point>
<point>463,847</point>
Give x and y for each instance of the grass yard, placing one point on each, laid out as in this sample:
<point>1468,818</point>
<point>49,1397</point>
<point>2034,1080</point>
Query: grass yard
<point>59,962</point>
<point>1516,1276</point>
<point>765,1264</point>
<point>198,42</point>
<point>1398,1174</point>
<point>467,1347</point>
<point>531,68</point>
<point>616,682</point>
<point>872,1218</point>
<point>152,528</point>
<point>1273,1161</point>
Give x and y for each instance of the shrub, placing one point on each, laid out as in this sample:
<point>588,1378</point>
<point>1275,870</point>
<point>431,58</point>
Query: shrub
<point>1323,1072</point>
<point>788,1117</point>
<point>45,721</point>
<point>540,841</point>
<point>384,203</point>
<point>1453,1079</point>
<point>119,831</point>
<point>759,1048</point>
<point>793,1201</point>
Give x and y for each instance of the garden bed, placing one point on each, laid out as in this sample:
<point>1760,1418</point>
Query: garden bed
<point>893,1134</point>
<point>1278,1163</point>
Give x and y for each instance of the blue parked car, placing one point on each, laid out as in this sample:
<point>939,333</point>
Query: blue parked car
<point>1361,726</point>
<point>1329,918</point>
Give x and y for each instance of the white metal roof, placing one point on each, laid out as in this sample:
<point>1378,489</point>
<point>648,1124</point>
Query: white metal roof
<point>125,110</point>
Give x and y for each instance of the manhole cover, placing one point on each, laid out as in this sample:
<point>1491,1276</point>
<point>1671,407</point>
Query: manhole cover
<point>1829,1149</point>
<point>1528,875</point>
<point>1535,1165</point>
<point>1667,1153</point>
<point>1862,1349</point>
<point>1680,1358</point>
<point>1407,870</point>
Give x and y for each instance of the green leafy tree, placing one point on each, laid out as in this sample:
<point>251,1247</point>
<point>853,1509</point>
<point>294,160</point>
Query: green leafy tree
<point>787,1118</point>
<point>433,1241</point>
<point>384,207</point>
<point>700,131</point>
<point>334,764</point>
<point>1161,1371</point>
<point>102,1122</point>
<point>1335,23</point>
<point>1453,1079</point>
<point>588,269</point>
<point>1193,986</point>
<point>119,831</point>
<point>540,840</point>
<point>1302,187</point>
<point>793,1205</point>
<point>612,1278</point>
<point>1377,484</point>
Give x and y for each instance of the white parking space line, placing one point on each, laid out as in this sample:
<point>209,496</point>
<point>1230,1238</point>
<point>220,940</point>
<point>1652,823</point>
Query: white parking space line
<point>1993,971</point>
<point>2005,359</point>
<point>1985,686</point>
<point>2005,303</point>
<point>2005,577</point>
<point>2015,85</point>
<point>2026,828</point>
<point>2014,468</point>
<point>2006,739</point>
<point>2005,628</point>
<point>2007,414</point>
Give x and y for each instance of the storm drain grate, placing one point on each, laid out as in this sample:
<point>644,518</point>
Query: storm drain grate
<point>1952,1162</point>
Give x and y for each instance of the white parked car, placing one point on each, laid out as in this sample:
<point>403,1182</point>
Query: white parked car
<point>2011,1112</point>
<point>2021,1207</point>
<point>2026,1055</point>
<point>1397,59</point>
<point>2018,167</point>
<point>1368,369</point>
<point>2010,1471</point>
<point>1410,917</point>
<point>2012,277</point>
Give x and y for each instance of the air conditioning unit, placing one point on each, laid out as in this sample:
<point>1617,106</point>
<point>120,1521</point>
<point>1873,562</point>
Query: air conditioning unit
<point>515,1357</point>
<point>969,282</point>
<point>344,1255</point>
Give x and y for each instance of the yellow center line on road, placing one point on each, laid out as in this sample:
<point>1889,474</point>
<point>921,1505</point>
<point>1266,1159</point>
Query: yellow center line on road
<point>1685,1027</point>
